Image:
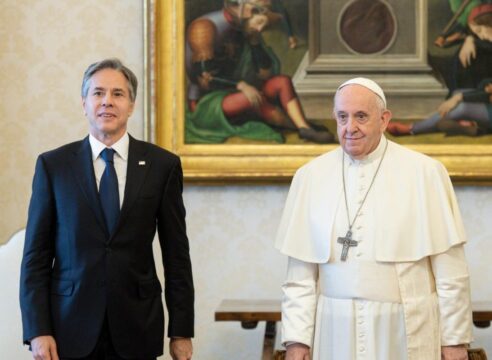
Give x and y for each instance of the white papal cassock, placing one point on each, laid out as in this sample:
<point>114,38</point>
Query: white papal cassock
<point>404,290</point>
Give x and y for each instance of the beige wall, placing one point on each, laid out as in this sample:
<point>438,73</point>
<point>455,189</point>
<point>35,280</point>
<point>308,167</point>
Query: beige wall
<point>44,48</point>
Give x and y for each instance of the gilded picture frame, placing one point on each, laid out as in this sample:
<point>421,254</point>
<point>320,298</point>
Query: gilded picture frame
<point>469,164</point>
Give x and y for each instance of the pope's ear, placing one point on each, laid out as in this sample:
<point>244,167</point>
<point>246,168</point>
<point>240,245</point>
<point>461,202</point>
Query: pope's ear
<point>386,116</point>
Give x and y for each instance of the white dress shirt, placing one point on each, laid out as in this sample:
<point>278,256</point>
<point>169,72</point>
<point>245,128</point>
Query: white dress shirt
<point>120,161</point>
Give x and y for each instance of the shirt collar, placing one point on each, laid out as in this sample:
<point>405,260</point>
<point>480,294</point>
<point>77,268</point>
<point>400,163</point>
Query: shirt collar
<point>120,147</point>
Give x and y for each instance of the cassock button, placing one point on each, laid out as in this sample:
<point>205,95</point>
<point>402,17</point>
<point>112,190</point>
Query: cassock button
<point>362,349</point>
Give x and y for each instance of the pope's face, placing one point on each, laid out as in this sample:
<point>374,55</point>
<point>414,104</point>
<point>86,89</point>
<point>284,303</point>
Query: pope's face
<point>360,121</point>
<point>108,104</point>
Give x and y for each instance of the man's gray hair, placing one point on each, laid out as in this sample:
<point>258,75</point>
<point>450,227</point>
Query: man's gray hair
<point>114,64</point>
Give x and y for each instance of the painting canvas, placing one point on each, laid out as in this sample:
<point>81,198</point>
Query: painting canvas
<point>244,88</point>
<point>238,88</point>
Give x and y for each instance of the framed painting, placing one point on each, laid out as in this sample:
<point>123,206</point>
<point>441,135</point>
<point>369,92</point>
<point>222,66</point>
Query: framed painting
<point>315,46</point>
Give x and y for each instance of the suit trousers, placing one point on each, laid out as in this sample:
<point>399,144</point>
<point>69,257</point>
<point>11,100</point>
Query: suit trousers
<point>104,349</point>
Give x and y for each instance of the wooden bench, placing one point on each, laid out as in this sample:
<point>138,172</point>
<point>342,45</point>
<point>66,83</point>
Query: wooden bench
<point>482,313</point>
<point>250,312</point>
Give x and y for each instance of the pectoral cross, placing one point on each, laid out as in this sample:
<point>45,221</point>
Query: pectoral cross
<point>347,243</point>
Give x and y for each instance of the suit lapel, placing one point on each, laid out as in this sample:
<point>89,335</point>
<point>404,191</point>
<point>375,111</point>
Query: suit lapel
<point>138,166</point>
<point>83,170</point>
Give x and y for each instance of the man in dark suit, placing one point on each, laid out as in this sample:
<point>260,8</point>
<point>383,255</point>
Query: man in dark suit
<point>89,288</point>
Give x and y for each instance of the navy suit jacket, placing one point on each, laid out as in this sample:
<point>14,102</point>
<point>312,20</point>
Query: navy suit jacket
<point>74,273</point>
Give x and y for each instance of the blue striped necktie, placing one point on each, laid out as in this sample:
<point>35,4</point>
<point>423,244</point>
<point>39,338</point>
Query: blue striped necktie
<point>108,191</point>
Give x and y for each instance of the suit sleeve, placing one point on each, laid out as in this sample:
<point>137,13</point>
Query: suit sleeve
<point>179,291</point>
<point>38,258</point>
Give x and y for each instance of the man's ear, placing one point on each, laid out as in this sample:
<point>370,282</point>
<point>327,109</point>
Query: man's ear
<point>132,107</point>
<point>83,105</point>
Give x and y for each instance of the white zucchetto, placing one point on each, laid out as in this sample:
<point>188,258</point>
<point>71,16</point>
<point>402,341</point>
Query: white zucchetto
<point>367,83</point>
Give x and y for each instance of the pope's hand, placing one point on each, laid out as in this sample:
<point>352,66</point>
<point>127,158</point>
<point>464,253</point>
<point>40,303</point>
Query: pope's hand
<point>297,351</point>
<point>457,352</point>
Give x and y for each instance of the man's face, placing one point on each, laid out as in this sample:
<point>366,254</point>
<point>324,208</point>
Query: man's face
<point>108,105</point>
<point>360,122</point>
<point>256,24</point>
<point>483,32</point>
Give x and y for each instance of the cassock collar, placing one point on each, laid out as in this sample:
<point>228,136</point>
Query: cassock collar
<point>375,155</point>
